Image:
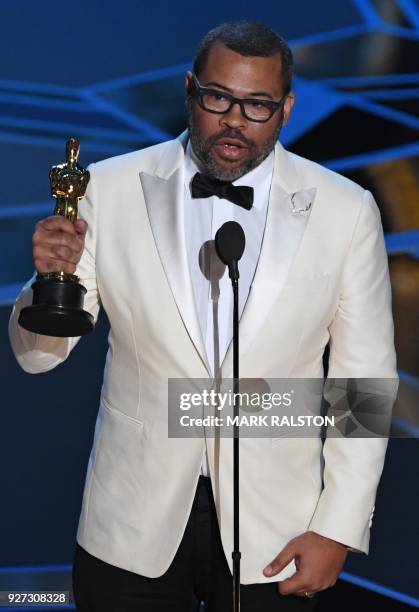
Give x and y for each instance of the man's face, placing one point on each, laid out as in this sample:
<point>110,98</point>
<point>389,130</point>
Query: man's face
<point>230,145</point>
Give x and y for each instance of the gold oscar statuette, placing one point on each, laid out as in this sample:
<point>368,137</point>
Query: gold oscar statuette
<point>57,306</point>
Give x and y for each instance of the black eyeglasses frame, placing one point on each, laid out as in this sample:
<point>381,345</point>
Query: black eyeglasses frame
<point>200,90</point>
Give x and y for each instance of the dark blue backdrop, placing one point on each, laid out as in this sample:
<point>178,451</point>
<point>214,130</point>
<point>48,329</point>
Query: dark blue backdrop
<point>112,74</point>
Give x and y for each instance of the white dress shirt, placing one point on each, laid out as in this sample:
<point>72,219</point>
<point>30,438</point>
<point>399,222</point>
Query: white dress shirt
<point>203,217</point>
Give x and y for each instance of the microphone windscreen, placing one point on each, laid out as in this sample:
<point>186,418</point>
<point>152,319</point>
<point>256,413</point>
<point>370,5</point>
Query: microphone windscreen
<point>230,242</point>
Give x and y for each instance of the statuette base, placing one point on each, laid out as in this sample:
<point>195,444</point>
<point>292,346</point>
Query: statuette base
<point>57,309</point>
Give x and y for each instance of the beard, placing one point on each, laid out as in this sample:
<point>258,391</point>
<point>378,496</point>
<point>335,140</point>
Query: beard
<point>202,148</point>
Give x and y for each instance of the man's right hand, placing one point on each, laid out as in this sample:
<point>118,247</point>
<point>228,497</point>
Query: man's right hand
<point>57,244</point>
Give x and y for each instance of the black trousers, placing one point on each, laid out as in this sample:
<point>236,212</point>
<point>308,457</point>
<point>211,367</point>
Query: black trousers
<point>198,572</point>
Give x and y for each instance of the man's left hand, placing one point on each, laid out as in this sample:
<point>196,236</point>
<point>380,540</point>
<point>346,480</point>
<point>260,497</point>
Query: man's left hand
<point>319,561</point>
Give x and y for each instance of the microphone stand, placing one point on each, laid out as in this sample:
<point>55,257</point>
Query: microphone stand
<point>236,554</point>
<point>230,243</point>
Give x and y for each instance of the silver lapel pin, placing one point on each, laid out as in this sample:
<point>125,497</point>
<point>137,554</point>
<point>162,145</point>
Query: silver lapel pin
<point>301,201</point>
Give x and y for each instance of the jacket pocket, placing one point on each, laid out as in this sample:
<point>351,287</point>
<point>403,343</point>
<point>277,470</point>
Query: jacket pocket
<point>118,414</point>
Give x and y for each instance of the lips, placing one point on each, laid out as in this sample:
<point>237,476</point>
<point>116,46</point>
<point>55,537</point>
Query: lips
<point>231,141</point>
<point>231,149</point>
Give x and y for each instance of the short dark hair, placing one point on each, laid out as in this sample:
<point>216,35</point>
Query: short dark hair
<point>248,38</point>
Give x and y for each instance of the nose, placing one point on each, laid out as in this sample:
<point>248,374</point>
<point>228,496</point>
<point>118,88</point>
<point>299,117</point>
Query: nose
<point>234,118</point>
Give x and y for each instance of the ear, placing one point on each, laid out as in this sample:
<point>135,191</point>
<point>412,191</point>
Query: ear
<point>288,104</point>
<point>188,83</point>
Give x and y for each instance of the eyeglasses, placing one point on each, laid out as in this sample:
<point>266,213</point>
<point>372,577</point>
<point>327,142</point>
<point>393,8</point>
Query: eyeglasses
<point>219,102</point>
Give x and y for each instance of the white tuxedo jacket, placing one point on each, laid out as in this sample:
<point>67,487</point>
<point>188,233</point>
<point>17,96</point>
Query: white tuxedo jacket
<point>322,276</point>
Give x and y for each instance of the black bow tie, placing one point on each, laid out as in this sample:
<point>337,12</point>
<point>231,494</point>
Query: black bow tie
<point>205,187</point>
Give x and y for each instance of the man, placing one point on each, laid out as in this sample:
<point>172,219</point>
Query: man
<point>148,537</point>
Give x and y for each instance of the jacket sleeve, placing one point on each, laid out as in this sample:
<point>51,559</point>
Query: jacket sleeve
<point>38,353</point>
<point>361,347</point>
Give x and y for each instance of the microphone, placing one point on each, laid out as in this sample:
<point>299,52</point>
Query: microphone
<point>229,244</point>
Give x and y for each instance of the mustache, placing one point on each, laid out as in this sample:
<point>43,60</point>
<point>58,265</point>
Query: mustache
<point>234,134</point>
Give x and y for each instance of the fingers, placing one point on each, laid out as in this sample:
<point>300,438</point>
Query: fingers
<point>55,252</point>
<point>80,226</point>
<point>301,581</point>
<point>57,244</point>
<point>53,265</point>
<point>57,223</point>
<point>305,581</point>
<point>285,557</point>
<point>318,560</point>
<point>298,584</point>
